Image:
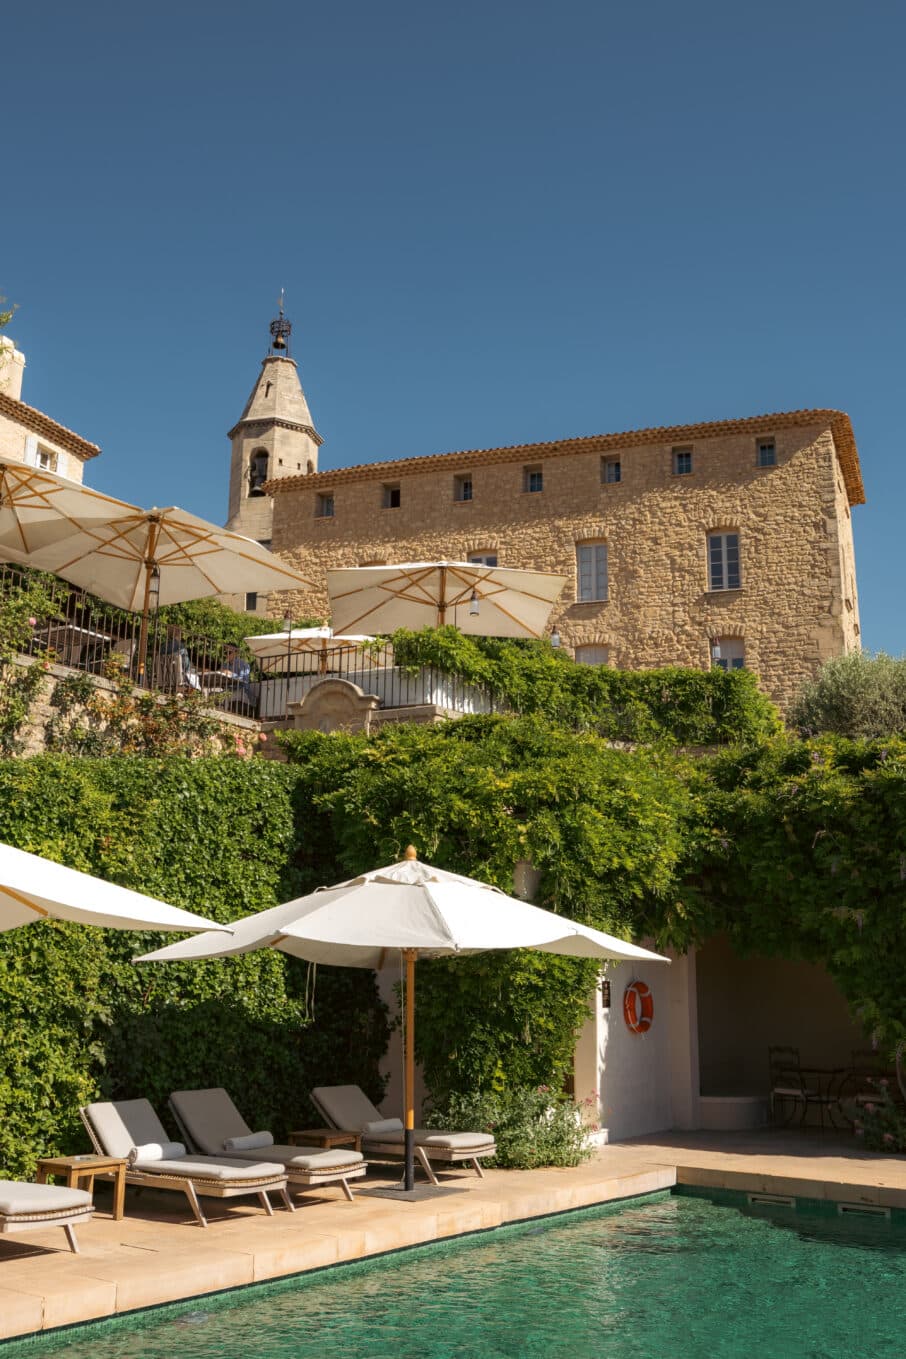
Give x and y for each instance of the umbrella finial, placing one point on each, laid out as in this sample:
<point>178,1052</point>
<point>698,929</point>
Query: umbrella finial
<point>411,852</point>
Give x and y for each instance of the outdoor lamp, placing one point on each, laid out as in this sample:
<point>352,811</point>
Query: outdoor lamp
<point>154,588</point>
<point>474,607</point>
<point>555,638</point>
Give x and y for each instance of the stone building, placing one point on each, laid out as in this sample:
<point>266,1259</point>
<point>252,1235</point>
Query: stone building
<point>274,437</point>
<point>730,539</point>
<point>28,435</point>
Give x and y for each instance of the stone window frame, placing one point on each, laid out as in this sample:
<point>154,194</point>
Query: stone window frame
<point>591,646</point>
<point>533,478</point>
<point>761,445</point>
<point>608,465</point>
<point>723,534</point>
<point>678,456</point>
<point>731,640</point>
<point>325,505</point>
<point>391,495</point>
<point>463,488</point>
<point>583,544</point>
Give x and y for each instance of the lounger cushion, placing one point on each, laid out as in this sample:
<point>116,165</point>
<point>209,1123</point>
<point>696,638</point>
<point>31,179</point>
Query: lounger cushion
<point>347,1106</point>
<point>18,1199</point>
<point>209,1117</point>
<point>299,1158</point>
<point>125,1124</point>
<point>426,1137</point>
<point>253,1142</point>
<point>382,1125</point>
<point>211,1168</point>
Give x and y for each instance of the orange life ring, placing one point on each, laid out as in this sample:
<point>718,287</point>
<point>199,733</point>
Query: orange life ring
<point>638,1007</point>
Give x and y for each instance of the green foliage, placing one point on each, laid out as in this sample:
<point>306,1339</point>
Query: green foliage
<point>859,695</point>
<point>78,1020</point>
<point>881,1123</point>
<point>683,707</point>
<point>220,626</point>
<point>20,686</point>
<point>531,1126</point>
<point>91,720</point>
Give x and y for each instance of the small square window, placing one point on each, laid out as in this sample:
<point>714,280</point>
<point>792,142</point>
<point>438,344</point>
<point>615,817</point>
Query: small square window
<point>611,471</point>
<point>483,558</point>
<point>462,488</point>
<point>390,498</point>
<point>728,653</point>
<point>532,479</point>
<point>251,601</point>
<point>766,453</point>
<point>682,462</point>
<point>324,508</point>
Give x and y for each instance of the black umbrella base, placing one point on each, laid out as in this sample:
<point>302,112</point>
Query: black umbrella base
<point>417,1195</point>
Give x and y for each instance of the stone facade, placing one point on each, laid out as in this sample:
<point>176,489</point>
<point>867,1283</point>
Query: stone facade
<point>656,601</point>
<point>29,436</point>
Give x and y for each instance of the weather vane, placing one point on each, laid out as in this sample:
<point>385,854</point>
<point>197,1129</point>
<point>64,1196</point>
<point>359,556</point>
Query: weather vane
<point>281,329</point>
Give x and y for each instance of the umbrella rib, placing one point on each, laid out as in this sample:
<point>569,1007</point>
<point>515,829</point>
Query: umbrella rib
<point>24,901</point>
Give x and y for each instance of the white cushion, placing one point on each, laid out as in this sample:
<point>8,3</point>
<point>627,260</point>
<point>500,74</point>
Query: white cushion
<point>381,1125</point>
<point>212,1168</point>
<point>156,1151</point>
<point>249,1143</point>
<point>124,1124</point>
<point>307,1158</point>
<point>346,1106</point>
<point>209,1117</point>
<point>18,1199</point>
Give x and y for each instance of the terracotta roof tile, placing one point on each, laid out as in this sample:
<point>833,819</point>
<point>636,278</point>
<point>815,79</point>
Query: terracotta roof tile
<point>838,421</point>
<point>42,424</point>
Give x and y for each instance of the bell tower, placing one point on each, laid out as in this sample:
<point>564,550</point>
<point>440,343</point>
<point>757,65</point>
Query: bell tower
<point>273,437</point>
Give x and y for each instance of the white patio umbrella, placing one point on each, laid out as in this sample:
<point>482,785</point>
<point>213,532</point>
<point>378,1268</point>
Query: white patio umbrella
<point>484,601</point>
<point>292,647</point>
<point>144,557</point>
<point>32,888</point>
<point>38,509</point>
<point>422,911</point>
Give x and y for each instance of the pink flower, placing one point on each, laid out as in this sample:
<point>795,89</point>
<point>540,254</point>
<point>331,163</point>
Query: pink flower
<point>888,1137</point>
<point>870,1108</point>
<point>32,622</point>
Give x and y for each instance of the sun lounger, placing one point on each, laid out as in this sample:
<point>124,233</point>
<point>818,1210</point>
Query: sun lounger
<point>212,1124</point>
<point>130,1128</point>
<point>348,1107</point>
<point>32,1207</point>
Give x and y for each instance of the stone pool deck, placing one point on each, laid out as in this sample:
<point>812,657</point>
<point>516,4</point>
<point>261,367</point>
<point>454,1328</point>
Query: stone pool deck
<point>157,1254</point>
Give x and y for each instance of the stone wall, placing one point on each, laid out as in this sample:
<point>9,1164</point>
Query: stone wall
<point>796,605</point>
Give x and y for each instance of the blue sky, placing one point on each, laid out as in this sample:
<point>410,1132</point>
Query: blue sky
<point>495,222</point>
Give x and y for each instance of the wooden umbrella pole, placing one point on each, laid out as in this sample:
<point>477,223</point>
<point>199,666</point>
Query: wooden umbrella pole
<point>153,531</point>
<point>442,602</point>
<point>409,1069</point>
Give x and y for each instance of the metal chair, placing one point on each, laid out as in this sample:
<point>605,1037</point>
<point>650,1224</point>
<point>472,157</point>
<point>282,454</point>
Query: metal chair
<point>790,1086</point>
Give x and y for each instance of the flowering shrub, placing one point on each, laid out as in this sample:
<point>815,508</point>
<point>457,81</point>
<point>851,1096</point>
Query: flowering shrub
<point>89,720</point>
<point>531,1126</point>
<point>881,1123</point>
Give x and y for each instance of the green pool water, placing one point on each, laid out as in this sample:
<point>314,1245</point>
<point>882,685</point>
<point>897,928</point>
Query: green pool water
<point>670,1277</point>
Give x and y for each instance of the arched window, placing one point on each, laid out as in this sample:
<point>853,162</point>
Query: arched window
<point>257,471</point>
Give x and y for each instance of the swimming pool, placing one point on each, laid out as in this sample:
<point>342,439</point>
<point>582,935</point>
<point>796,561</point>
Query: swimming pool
<point>667,1277</point>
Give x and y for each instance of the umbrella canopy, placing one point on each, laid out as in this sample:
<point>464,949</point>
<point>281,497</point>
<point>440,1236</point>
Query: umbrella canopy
<point>32,888</point>
<point>38,509</point>
<point>193,559</point>
<point>484,601</point>
<point>292,647</point>
<point>417,909</point>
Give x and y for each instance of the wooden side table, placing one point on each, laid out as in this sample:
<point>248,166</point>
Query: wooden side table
<point>79,1168</point>
<point>326,1137</point>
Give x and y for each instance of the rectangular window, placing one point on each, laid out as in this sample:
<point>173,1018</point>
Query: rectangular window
<point>723,561</point>
<point>592,655</point>
<point>47,460</point>
<point>767,453</point>
<point>532,479</point>
<point>324,506</point>
<point>483,558</point>
<point>462,488</point>
<point>728,653</point>
<point>390,498</point>
<point>251,601</point>
<point>682,462</point>
<point>610,471</point>
<point>591,571</point>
